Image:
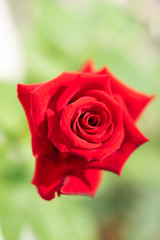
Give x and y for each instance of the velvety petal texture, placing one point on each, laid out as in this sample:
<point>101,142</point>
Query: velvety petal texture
<point>81,123</point>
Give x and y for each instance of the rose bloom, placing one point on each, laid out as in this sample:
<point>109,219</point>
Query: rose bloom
<point>81,123</point>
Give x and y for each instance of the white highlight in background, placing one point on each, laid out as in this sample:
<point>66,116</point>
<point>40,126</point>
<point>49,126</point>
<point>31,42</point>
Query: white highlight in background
<point>27,233</point>
<point>1,235</point>
<point>12,67</point>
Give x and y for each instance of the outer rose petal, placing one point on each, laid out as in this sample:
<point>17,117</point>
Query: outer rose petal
<point>88,67</point>
<point>55,136</point>
<point>24,97</point>
<point>133,139</point>
<point>75,185</point>
<point>37,141</point>
<point>65,177</point>
<point>41,97</point>
<point>135,100</point>
<point>48,177</point>
<point>82,83</point>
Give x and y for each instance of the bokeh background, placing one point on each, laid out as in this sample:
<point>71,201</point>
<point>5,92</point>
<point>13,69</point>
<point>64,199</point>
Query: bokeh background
<point>39,39</point>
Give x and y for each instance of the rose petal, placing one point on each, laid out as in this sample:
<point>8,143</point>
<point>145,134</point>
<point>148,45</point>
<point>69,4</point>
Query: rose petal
<point>133,139</point>
<point>135,100</point>
<point>37,141</point>
<point>75,185</point>
<point>41,97</point>
<point>24,97</point>
<point>48,177</point>
<point>54,132</point>
<point>88,67</point>
<point>83,82</point>
<point>52,175</point>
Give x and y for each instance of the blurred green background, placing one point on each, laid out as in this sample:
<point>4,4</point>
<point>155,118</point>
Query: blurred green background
<point>53,36</point>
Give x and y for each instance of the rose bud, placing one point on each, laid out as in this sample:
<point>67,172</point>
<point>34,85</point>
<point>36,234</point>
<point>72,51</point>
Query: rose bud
<point>81,123</point>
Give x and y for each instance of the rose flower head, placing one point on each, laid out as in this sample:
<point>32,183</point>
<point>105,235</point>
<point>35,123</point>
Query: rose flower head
<point>81,123</point>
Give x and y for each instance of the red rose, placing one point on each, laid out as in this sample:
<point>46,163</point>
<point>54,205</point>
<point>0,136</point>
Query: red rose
<point>80,122</point>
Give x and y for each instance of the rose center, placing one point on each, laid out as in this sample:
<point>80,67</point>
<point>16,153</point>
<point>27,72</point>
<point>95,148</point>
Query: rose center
<point>93,121</point>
